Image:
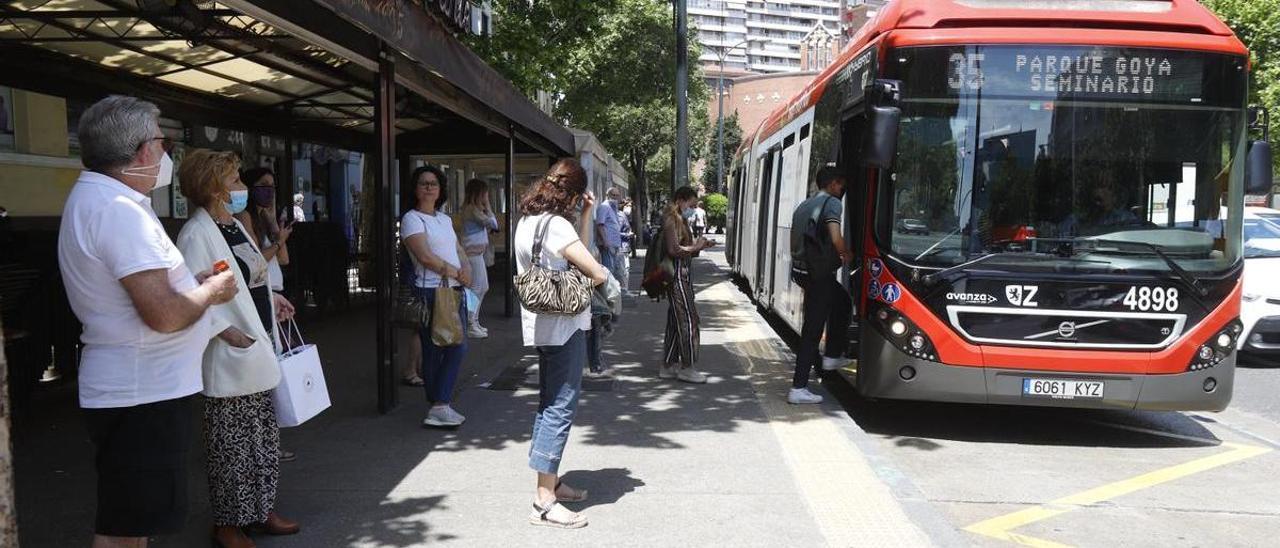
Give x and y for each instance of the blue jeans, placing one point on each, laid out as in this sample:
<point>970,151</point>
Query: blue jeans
<point>441,364</point>
<point>610,261</point>
<point>560,384</point>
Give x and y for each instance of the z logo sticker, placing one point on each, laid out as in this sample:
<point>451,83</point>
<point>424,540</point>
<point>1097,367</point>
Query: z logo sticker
<point>1022,295</point>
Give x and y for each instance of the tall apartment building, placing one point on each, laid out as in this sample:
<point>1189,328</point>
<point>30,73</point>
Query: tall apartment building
<point>776,32</point>
<point>776,29</point>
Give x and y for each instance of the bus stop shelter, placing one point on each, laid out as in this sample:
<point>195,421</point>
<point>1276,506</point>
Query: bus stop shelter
<point>388,78</point>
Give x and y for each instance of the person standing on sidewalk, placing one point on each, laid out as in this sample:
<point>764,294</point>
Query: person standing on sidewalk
<point>437,255</point>
<point>609,232</point>
<point>241,435</point>
<point>260,219</point>
<point>699,220</point>
<point>478,221</point>
<point>682,339</point>
<point>561,339</point>
<point>818,250</point>
<point>145,323</point>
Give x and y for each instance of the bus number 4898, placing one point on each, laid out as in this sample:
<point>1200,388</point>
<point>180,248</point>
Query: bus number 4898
<point>1152,299</point>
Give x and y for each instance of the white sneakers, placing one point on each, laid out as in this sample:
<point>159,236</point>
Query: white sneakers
<point>443,416</point>
<point>687,374</point>
<point>667,371</point>
<point>832,364</point>
<point>476,331</point>
<point>801,396</point>
<point>690,375</point>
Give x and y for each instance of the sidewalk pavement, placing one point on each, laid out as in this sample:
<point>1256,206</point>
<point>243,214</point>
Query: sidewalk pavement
<point>728,463</point>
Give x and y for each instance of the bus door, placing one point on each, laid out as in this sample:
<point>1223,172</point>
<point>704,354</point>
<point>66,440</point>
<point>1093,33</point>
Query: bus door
<point>764,224</point>
<point>856,196</point>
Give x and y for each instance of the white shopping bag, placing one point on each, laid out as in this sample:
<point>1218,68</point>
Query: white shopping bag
<point>302,393</point>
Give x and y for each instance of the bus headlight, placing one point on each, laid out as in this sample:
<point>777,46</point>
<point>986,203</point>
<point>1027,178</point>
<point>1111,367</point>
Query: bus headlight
<point>1217,348</point>
<point>902,332</point>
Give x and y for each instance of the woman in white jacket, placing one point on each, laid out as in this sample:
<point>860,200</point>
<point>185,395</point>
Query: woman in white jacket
<point>242,438</point>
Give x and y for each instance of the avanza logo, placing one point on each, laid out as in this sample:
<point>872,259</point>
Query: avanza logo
<point>971,298</point>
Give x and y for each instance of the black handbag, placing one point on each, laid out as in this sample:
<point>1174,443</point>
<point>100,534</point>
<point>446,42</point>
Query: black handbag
<point>409,311</point>
<point>545,291</point>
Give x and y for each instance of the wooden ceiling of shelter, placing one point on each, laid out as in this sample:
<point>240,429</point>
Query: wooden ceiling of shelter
<point>201,56</point>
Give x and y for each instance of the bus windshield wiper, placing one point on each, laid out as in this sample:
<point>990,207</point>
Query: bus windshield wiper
<point>1177,269</point>
<point>1068,246</point>
<point>930,279</point>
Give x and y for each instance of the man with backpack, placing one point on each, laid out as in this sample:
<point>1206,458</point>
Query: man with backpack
<point>817,252</point>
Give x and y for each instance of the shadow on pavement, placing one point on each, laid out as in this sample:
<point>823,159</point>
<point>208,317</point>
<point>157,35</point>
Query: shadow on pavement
<point>359,475</point>
<point>608,485</point>
<point>927,426</point>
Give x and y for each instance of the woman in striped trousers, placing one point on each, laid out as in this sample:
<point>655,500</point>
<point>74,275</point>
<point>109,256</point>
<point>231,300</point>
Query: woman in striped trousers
<point>680,346</point>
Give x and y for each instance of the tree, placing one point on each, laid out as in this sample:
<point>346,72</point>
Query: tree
<point>1257,24</point>
<point>717,206</point>
<point>732,140</point>
<point>626,93</point>
<point>611,66</point>
<point>536,45</point>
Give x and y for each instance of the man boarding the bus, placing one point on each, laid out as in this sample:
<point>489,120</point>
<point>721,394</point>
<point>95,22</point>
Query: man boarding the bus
<point>817,251</point>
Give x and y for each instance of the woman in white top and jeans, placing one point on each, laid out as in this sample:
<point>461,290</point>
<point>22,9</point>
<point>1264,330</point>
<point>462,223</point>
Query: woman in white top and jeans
<point>437,255</point>
<point>561,339</point>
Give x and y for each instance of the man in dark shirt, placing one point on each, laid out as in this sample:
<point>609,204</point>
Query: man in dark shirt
<point>817,251</point>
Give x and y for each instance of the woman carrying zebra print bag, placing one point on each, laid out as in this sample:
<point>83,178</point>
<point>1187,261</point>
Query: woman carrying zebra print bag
<point>548,247</point>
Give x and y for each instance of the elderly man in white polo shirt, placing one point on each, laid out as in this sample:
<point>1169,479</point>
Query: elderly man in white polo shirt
<point>144,322</point>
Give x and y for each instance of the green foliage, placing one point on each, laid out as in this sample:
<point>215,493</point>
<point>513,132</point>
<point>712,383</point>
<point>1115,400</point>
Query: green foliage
<point>1257,23</point>
<point>717,206</point>
<point>732,140</point>
<point>537,45</point>
<point>610,64</point>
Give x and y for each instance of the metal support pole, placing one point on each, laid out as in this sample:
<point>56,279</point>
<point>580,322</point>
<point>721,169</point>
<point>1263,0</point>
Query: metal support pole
<point>681,156</point>
<point>384,198</point>
<point>509,298</point>
<point>719,129</point>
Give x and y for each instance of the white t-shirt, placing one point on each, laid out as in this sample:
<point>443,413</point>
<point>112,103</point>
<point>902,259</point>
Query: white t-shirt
<point>108,232</point>
<point>441,240</point>
<point>547,329</point>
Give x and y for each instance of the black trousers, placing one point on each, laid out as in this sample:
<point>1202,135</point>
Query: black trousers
<point>827,306</point>
<point>142,466</point>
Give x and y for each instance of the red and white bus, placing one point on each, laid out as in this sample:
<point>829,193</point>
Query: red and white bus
<point>1045,197</point>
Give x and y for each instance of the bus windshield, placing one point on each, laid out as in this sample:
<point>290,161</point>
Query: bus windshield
<point>1002,148</point>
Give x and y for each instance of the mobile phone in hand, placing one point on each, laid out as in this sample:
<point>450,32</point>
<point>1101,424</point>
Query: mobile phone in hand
<point>221,266</point>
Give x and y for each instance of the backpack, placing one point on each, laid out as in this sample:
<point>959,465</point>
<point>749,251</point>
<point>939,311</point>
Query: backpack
<point>659,270</point>
<point>814,254</point>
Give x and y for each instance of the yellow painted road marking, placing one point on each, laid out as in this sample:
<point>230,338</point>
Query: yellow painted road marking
<point>1001,527</point>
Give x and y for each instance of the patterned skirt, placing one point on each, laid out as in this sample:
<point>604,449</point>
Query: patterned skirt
<point>242,439</point>
<point>683,335</point>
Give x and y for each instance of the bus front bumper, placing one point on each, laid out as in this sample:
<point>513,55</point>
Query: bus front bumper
<point>886,372</point>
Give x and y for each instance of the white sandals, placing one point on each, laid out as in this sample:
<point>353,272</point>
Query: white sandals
<point>552,514</point>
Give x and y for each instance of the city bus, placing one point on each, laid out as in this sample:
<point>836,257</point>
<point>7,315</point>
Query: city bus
<point>1044,201</point>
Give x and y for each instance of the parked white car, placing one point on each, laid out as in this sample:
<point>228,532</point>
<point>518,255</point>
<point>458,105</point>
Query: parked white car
<point>1260,309</point>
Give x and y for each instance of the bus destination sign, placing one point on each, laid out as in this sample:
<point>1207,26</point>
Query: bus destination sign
<point>1078,73</point>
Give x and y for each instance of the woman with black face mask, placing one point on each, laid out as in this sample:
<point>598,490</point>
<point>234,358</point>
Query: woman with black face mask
<point>259,218</point>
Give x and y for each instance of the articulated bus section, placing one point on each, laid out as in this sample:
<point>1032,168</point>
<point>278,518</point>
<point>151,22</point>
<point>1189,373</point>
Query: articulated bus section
<point>1042,217</point>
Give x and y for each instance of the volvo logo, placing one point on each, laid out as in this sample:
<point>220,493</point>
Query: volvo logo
<point>1067,330</point>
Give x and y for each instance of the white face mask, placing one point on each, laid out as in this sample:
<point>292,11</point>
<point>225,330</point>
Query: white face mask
<point>163,178</point>
<point>626,211</point>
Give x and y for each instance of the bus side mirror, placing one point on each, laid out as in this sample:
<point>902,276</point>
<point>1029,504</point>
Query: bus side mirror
<point>1257,171</point>
<point>880,142</point>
